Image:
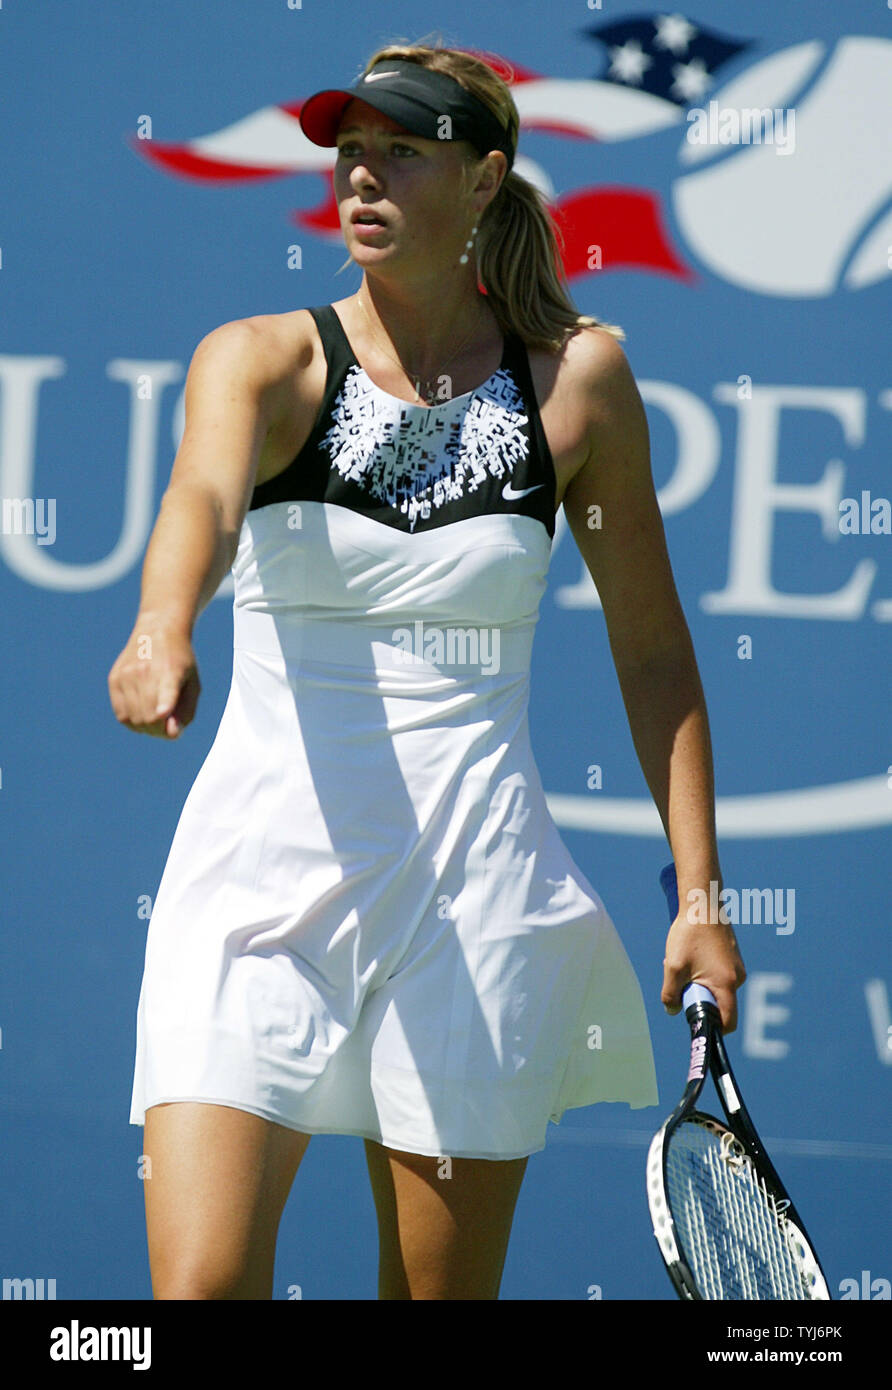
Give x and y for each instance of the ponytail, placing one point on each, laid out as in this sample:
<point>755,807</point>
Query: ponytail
<point>520,267</point>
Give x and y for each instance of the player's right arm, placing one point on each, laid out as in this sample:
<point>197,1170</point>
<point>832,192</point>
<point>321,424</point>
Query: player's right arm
<point>231,391</point>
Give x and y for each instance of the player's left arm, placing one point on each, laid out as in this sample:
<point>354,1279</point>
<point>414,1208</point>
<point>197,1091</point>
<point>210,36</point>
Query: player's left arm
<point>612,511</point>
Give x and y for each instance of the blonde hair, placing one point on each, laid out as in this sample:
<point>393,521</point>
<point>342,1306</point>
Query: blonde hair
<point>518,261</point>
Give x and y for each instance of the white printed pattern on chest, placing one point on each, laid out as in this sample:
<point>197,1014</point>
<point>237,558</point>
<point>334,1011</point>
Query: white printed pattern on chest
<point>415,458</point>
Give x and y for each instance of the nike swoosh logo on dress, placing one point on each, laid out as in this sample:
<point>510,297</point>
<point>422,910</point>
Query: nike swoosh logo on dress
<point>510,495</point>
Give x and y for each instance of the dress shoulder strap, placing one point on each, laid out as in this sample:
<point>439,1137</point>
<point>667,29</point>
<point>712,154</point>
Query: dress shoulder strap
<point>308,465</point>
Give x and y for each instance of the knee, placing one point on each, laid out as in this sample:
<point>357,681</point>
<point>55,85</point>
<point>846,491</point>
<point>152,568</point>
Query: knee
<point>209,1282</point>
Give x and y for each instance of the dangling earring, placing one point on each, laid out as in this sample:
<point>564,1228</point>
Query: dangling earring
<point>463,259</point>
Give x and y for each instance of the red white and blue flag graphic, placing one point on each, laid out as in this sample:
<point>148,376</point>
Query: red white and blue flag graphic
<point>655,67</point>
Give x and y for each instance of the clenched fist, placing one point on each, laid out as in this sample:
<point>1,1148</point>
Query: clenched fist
<point>154,686</point>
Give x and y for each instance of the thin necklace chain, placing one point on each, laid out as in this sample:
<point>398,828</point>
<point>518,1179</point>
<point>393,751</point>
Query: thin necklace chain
<point>429,396</point>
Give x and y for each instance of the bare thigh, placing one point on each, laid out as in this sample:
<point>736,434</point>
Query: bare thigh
<point>216,1184</point>
<point>443,1224</point>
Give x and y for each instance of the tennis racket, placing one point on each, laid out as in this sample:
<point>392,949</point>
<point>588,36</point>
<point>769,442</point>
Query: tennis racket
<point>724,1223</point>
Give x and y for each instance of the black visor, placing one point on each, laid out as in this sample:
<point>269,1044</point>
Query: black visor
<point>418,99</point>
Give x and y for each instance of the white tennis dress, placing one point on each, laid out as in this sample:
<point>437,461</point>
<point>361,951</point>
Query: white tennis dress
<point>368,923</point>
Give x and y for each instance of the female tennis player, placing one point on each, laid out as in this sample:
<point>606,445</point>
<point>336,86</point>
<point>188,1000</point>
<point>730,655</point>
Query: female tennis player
<point>368,923</point>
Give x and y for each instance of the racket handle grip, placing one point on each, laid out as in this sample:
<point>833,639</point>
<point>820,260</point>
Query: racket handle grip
<point>694,994</point>
<point>697,994</point>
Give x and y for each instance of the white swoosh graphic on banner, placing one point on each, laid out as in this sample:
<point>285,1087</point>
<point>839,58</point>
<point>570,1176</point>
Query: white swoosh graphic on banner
<point>857,805</point>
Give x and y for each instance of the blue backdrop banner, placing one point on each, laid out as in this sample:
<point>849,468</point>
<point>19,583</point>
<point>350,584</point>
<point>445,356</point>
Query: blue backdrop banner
<point>723,186</point>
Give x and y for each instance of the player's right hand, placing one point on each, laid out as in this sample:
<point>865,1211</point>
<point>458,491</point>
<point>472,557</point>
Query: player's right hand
<point>154,686</point>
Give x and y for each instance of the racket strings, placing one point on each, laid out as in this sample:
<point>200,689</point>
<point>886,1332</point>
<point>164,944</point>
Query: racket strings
<point>733,1237</point>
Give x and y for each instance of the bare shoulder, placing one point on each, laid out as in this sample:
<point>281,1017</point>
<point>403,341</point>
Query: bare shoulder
<point>582,387</point>
<point>281,360</point>
<point>591,378</point>
<point>268,345</point>
<point>606,392</point>
<point>594,362</point>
